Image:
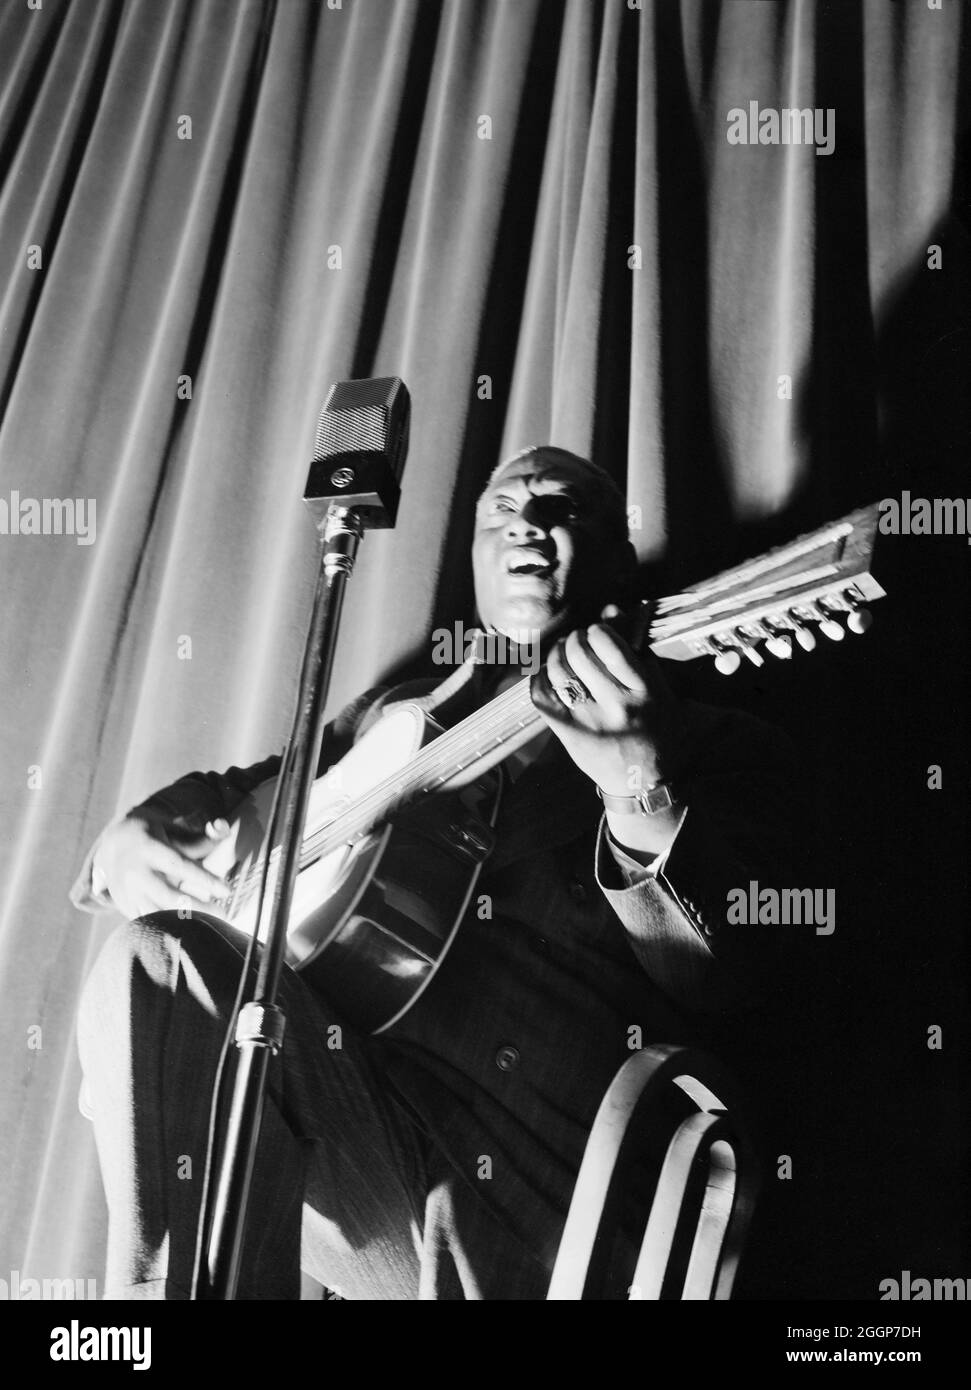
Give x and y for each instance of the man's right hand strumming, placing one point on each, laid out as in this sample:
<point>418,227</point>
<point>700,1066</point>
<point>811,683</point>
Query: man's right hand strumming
<point>143,870</point>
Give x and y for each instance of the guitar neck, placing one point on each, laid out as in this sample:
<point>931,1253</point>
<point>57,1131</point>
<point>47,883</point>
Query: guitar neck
<point>503,723</point>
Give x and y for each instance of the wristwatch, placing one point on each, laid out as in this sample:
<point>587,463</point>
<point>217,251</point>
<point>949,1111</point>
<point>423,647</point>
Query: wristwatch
<point>661,797</point>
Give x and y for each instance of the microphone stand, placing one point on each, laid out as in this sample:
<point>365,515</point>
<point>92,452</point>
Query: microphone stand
<point>261,1023</point>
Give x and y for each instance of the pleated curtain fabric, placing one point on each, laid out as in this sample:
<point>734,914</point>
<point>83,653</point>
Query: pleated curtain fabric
<point>530,210</point>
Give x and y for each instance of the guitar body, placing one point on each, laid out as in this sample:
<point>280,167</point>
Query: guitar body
<point>371,920</point>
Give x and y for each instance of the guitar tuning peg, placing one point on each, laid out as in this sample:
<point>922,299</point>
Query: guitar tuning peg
<point>727,659</point>
<point>804,636</point>
<point>778,643</point>
<point>749,647</point>
<point>828,625</point>
<point>779,646</point>
<point>727,662</point>
<point>860,618</point>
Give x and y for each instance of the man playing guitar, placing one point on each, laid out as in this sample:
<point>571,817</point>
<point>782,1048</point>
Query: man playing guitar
<point>437,1159</point>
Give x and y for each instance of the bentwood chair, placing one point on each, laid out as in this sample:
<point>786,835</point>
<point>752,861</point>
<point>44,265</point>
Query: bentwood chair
<point>704,1185</point>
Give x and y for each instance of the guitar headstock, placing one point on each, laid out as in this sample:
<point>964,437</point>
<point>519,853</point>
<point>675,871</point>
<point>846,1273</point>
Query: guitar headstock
<point>787,594</point>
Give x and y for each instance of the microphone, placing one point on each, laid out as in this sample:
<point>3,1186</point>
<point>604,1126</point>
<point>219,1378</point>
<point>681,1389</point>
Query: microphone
<point>360,450</point>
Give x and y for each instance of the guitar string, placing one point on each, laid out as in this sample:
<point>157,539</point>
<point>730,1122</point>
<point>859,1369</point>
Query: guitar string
<point>468,740</point>
<point>473,736</point>
<point>762,567</point>
<point>782,598</point>
<point>466,736</point>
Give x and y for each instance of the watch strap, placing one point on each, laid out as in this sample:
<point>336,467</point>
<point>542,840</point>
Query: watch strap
<point>644,803</point>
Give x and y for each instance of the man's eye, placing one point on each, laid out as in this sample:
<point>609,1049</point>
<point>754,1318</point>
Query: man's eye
<point>563,508</point>
<point>501,504</point>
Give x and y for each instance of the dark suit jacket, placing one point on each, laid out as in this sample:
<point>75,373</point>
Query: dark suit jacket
<point>547,990</point>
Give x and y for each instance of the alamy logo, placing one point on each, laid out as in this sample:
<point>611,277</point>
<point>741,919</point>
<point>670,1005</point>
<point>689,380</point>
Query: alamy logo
<point>790,126</point>
<point>925,516</point>
<point>49,516</point>
<point>18,1290</point>
<point>907,1290</point>
<point>76,1343</point>
<point>450,646</point>
<point>772,907</point>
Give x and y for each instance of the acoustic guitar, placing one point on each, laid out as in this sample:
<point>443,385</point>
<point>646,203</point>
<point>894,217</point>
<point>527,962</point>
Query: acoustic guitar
<point>398,830</point>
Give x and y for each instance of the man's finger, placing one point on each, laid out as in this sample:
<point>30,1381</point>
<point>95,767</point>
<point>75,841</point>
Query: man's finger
<point>151,894</point>
<point>618,658</point>
<point>543,688</point>
<point>165,898</point>
<point>187,876</point>
<point>592,672</point>
<point>199,846</point>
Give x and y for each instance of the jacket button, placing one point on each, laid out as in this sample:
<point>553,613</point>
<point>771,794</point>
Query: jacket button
<point>507,1058</point>
<point>577,891</point>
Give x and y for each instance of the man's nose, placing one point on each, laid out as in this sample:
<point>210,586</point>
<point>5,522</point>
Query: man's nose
<point>531,521</point>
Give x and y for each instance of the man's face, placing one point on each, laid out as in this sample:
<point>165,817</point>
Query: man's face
<point>540,556</point>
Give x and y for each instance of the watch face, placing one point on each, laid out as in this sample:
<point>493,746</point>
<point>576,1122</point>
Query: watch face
<point>659,798</point>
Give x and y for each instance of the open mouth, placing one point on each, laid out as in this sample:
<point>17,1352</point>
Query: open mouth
<point>530,564</point>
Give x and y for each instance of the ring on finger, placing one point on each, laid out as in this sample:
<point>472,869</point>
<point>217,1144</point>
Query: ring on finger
<point>572,692</point>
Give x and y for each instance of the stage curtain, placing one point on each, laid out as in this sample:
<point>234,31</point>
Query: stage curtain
<point>530,210</point>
